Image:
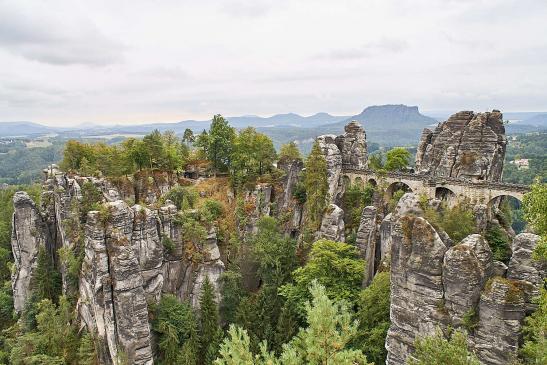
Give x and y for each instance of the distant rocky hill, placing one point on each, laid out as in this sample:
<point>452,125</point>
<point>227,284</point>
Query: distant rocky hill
<point>382,117</point>
<point>16,129</point>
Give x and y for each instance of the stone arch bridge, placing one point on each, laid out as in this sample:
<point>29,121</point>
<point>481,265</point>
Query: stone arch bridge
<point>453,190</point>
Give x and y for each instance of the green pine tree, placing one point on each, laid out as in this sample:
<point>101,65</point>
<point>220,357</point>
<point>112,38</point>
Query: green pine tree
<point>210,332</point>
<point>315,182</point>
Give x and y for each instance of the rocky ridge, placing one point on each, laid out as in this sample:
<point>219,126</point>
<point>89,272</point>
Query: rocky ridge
<point>126,261</point>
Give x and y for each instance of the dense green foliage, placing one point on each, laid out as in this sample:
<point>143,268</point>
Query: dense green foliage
<point>210,332</point>
<point>217,144</point>
<point>534,348</point>
<point>356,197</point>
<point>324,342</point>
<point>531,146</point>
<point>253,154</point>
<point>397,158</point>
<point>535,208</point>
<point>175,325</point>
<point>457,221</point>
<point>335,265</point>
<point>289,152</point>
<point>437,350</point>
<point>154,151</point>
<point>499,243</point>
<point>373,315</point>
<point>20,163</point>
<point>315,183</point>
<point>54,340</point>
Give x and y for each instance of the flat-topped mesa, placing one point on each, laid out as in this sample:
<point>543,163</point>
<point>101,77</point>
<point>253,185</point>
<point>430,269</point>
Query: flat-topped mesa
<point>468,145</point>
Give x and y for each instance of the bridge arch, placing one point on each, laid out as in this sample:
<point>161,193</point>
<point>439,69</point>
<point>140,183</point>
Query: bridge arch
<point>372,181</point>
<point>506,208</point>
<point>395,186</point>
<point>358,181</point>
<point>445,194</point>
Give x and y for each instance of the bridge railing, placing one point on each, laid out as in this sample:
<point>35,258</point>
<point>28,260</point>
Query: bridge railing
<point>437,180</point>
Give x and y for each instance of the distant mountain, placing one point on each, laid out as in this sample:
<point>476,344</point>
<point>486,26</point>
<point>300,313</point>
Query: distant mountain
<point>16,129</point>
<point>538,120</point>
<point>391,117</point>
<point>385,124</point>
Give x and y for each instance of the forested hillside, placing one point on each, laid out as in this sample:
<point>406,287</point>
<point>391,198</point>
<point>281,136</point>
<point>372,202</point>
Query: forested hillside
<point>217,249</point>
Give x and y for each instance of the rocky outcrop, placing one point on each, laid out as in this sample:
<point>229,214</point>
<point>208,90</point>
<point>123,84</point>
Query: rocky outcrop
<point>523,267</point>
<point>332,224</point>
<point>292,170</point>
<point>435,284</point>
<point>353,145</point>
<point>148,248</point>
<point>29,235</point>
<point>332,154</point>
<point>131,255</point>
<point>467,145</point>
<point>501,312</point>
<point>417,300</point>
<point>210,268</point>
<point>466,266</point>
<point>256,205</point>
<point>287,208</point>
<point>367,240</point>
<point>112,297</point>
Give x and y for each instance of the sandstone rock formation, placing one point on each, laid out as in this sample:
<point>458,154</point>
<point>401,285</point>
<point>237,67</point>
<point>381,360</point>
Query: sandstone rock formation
<point>417,254</point>
<point>367,240</point>
<point>353,145</point>
<point>112,287</point>
<point>332,224</point>
<point>467,145</point>
<point>131,256</point>
<point>334,166</point>
<point>435,284</point>
<point>28,236</point>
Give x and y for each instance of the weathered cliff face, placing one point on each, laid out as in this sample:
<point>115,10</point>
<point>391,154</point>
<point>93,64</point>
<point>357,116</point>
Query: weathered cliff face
<point>131,255</point>
<point>288,210</point>
<point>436,284</point>
<point>467,145</point>
<point>368,237</point>
<point>332,224</point>
<point>29,234</point>
<point>417,254</point>
<point>353,145</point>
<point>112,297</point>
<point>334,166</point>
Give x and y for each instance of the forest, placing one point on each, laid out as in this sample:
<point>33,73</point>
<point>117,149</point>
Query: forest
<point>283,300</point>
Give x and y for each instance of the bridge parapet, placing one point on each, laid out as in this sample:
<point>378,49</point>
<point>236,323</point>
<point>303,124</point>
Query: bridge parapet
<point>439,181</point>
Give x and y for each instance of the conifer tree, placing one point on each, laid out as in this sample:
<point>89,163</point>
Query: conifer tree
<point>210,332</point>
<point>324,342</point>
<point>315,181</point>
<point>47,281</point>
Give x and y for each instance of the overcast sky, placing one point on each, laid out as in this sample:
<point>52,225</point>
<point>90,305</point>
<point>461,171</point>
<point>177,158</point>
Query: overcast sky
<point>72,62</point>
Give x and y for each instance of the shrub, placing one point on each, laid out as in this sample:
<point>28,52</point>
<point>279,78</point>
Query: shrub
<point>184,197</point>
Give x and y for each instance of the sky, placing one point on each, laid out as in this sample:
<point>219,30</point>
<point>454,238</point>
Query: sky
<point>68,63</point>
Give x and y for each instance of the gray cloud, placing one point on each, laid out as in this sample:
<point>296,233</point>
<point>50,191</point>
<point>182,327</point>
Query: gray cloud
<point>64,61</point>
<point>370,49</point>
<point>54,40</point>
<point>241,8</point>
